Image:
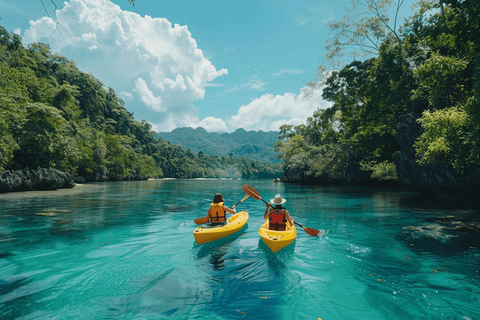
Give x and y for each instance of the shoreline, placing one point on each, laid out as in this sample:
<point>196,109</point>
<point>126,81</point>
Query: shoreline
<point>94,186</point>
<point>79,187</point>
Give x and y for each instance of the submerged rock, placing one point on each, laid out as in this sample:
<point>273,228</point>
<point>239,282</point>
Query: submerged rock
<point>35,179</point>
<point>46,214</point>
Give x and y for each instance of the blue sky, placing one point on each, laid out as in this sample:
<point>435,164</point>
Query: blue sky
<point>217,64</point>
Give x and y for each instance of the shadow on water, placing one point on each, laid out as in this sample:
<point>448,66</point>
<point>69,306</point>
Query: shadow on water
<point>10,285</point>
<point>9,289</point>
<point>443,228</point>
<point>276,260</point>
<point>4,255</point>
<point>271,255</point>
<point>216,250</point>
<point>242,281</point>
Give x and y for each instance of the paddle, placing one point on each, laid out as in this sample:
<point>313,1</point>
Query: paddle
<point>203,220</point>
<point>310,231</point>
<point>243,199</point>
<point>249,190</point>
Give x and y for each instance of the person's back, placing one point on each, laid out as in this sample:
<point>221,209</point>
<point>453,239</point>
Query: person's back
<point>277,215</point>
<point>277,218</point>
<point>217,214</point>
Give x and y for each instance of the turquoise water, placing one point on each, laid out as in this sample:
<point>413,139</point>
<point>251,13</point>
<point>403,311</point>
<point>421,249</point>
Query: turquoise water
<point>126,250</point>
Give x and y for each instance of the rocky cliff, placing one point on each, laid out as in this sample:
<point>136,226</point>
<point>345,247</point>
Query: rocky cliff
<point>35,179</point>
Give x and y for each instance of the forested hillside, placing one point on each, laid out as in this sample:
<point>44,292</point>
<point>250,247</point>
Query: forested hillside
<point>53,115</point>
<point>410,112</point>
<point>258,145</point>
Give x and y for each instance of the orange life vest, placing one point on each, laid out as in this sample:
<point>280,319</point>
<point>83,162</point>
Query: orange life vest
<point>217,213</point>
<point>277,219</point>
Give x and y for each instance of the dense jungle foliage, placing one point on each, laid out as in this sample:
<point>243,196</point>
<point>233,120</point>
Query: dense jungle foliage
<point>429,68</point>
<point>52,115</point>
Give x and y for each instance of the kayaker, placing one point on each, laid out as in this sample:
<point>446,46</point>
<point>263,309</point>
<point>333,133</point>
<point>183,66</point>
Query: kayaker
<point>277,215</point>
<point>217,214</point>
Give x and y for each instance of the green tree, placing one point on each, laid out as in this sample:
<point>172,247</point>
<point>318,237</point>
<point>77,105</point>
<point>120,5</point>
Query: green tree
<point>447,139</point>
<point>428,68</point>
<point>7,144</point>
<point>43,140</point>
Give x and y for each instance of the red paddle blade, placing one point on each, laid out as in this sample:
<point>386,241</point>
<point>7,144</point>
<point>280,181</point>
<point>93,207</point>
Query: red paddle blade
<point>201,220</point>
<point>312,232</point>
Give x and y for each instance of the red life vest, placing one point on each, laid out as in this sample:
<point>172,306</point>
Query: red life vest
<point>217,213</point>
<point>277,219</point>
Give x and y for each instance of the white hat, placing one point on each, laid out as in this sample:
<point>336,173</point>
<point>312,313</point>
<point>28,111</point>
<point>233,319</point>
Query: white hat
<point>278,200</point>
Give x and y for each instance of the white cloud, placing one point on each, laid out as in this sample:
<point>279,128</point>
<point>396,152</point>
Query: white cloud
<point>157,64</point>
<point>288,71</point>
<point>40,29</point>
<point>256,84</point>
<point>253,82</point>
<point>171,121</point>
<point>212,124</point>
<point>270,111</point>
<point>215,85</point>
<point>126,95</point>
<point>164,126</point>
<point>147,96</point>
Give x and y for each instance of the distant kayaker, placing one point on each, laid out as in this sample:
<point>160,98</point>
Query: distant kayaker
<point>217,214</point>
<point>277,215</point>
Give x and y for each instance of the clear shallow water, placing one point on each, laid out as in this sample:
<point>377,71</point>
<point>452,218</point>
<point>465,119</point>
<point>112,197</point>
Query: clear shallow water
<point>126,250</point>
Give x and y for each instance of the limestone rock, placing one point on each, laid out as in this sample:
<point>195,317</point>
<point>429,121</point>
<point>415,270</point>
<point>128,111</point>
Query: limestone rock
<point>35,179</point>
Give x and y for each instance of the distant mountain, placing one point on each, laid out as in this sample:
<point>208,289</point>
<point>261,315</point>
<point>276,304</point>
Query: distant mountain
<point>255,145</point>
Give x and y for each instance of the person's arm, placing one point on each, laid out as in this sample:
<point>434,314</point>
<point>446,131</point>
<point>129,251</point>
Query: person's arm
<point>227,209</point>
<point>267,211</point>
<point>288,217</point>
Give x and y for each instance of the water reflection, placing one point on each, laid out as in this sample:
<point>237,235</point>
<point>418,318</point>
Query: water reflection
<point>215,251</point>
<point>244,281</point>
<point>268,252</point>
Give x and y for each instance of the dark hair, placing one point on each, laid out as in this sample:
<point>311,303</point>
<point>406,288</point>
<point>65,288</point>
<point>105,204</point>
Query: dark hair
<point>218,198</point>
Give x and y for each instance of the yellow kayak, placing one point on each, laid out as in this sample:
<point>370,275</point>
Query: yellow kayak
<point>277,240</point>
<point>210,233</point>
